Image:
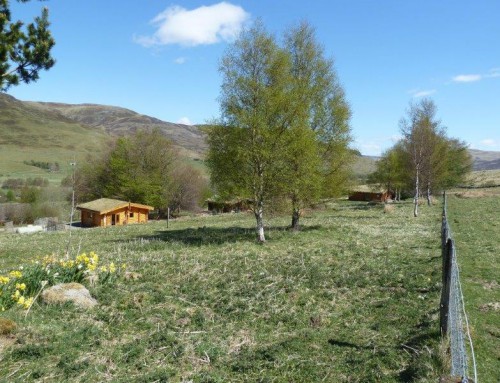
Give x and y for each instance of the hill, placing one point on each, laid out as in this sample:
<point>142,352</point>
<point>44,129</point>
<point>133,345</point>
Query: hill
<point>29,133</point>
<point>49,131</point>
<point>485,160</point>
<point>118,121</point>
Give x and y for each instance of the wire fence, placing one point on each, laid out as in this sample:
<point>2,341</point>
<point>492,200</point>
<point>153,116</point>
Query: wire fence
<point>453,318</point>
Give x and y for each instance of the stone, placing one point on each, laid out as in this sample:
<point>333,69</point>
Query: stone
<point>69,292</point>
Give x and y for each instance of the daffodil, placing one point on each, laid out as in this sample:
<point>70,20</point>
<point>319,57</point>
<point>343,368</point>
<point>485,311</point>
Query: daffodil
<point>28,302</point>
<point>4,280</point>
<point>20,286</point>
<point>16,274</point>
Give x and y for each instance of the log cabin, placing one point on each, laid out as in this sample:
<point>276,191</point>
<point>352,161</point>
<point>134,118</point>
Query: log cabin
<point>110,212</point>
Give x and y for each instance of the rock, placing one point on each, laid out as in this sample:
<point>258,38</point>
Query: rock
<point>69,292</point>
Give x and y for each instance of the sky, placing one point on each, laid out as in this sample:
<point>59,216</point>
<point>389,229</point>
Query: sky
<point>161,58</point>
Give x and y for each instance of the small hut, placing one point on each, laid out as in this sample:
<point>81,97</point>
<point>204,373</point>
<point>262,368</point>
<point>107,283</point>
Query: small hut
<point>110,212</point>
<point>364,193</point>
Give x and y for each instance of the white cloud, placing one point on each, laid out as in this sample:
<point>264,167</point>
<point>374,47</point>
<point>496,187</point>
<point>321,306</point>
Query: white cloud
<point>184,121</point>
<point>200,26</point>
<point>489,142</point>
<point>467,78</point>
<point>180,60</point>
<point>423,93</point>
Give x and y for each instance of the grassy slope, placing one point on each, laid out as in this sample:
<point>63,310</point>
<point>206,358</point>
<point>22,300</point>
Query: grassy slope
<point>352,298</point>
<point>475,223</point>
<point>30,134</point>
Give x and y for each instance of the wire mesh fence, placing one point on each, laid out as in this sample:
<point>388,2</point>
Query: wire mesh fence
<point>453,318</point>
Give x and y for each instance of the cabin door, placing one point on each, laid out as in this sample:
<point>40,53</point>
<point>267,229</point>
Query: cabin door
<point>115,218</point>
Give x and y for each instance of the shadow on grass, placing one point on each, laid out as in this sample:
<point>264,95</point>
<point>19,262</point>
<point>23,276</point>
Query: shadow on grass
<point>217,235</point>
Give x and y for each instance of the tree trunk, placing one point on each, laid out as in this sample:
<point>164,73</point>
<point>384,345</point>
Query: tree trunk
<point>259,216</point>
<point>295,219</point>
<point>415,200</point>
<point>428,193</point>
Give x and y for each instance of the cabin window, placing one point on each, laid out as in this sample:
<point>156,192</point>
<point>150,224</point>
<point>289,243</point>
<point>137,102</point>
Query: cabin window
<point>131,214</point>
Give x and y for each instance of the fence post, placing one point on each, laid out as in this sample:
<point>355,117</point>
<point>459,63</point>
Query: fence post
<point>445,292</point>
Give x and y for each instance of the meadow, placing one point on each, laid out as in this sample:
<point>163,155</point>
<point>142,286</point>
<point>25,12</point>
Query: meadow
<point>475,224</point>
<point>353,297</point>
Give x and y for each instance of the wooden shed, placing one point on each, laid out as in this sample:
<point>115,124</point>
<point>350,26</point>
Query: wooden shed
<point>109,212</point>
<point>367,194</point>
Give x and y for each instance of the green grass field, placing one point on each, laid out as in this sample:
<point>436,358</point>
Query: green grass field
<point>352,298</point>
<point>475,223</point>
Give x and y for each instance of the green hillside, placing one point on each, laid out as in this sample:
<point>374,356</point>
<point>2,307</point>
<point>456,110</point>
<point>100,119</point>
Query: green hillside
<point>28,133</point>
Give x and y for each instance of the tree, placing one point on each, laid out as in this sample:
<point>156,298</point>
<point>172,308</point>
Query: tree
<point>318,153</point>
<point>24,52</point>
<point>425,157</point>
<point>245,144</point>
<point>137,168</point>
<point>421,133</point>
<point>284,127</point>
<point>392,170</point>
<point>187,189</point>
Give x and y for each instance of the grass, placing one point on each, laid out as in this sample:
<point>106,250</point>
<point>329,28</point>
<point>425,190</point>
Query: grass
<point>475,224</point>
<point>353,297</point>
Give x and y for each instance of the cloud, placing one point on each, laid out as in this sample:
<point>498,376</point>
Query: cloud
<point>423,93</point>
<point>467,78</point>
<point>489,142</point>
<point>200,26</point>
<point>184,121</point>
<point>180,60</point>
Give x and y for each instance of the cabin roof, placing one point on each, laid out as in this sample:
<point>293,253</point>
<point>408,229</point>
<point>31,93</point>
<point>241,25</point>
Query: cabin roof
<point>105,205</point>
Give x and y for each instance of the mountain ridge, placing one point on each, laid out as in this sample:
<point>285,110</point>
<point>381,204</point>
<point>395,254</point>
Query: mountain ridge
<point>57,125</point>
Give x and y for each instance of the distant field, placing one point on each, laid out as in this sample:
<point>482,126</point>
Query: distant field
<point>352,298</point>
<point>475,223</point>
<point>484,178</point>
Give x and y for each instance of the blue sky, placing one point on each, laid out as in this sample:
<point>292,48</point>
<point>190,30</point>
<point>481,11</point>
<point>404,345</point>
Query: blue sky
<point>160,58</point>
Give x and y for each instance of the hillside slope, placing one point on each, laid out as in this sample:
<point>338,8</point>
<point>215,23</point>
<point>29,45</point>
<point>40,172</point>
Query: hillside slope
<point>120,121</point>
<point>28,133</point>
<point>485,160</point>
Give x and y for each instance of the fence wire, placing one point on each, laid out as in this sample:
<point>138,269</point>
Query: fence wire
<point>456,323</point>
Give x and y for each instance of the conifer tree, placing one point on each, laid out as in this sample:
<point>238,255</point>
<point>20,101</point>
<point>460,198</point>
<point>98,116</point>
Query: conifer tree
<point>24,51</point>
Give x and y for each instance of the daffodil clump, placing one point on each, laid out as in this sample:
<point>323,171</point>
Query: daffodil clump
<point>19,287</point>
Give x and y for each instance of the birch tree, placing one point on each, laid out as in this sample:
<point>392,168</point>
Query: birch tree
<point>245,143</point>
<point>319,155</point>
<point>419,130</point>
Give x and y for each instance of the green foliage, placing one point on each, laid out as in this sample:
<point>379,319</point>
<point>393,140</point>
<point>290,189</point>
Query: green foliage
<point>137,168</point>
<point>425,159</point>
<point>24,52</point>
<point>284,130</point>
